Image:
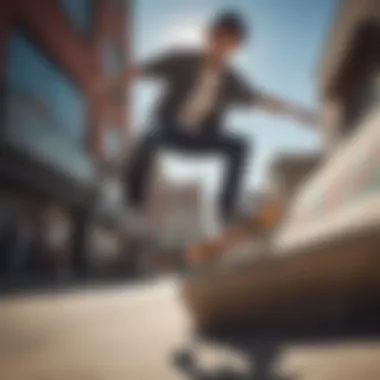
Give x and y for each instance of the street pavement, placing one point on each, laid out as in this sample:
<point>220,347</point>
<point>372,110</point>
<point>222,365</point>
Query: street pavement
<point>129,332</point>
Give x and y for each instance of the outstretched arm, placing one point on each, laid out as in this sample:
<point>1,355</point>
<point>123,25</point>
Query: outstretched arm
<point>242,93</point>
<point>278,106</point>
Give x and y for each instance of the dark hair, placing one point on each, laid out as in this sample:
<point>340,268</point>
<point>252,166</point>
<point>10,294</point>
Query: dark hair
<point>231,22</point>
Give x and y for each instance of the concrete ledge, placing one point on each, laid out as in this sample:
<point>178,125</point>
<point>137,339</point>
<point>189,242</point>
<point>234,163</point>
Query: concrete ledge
<point>327,281</point>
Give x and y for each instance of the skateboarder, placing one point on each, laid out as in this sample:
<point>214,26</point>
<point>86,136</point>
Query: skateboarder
<point>201,86</point>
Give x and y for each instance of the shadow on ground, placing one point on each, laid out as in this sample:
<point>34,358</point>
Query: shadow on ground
<point>263,345</point>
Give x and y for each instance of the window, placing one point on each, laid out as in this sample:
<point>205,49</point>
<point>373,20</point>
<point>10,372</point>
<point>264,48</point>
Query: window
<point>80,13</point>
<point>43,91</point>
<point>46,114</point>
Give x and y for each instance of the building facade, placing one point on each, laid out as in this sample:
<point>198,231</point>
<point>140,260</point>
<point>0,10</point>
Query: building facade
<point>177,215</point>
<point>349,70</point>
<point>342,197</point>
<point>56,132</point>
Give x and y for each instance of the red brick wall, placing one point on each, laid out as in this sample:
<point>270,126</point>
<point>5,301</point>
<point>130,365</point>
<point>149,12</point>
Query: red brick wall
<point>113,27</point>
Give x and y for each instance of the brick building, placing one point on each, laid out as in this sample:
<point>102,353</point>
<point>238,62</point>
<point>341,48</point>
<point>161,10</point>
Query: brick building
<point>55,130</point>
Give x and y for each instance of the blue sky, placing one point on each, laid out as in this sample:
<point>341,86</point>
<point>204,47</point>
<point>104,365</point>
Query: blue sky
<point>282,56</point>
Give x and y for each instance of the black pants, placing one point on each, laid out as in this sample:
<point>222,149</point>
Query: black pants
<point>233,148</point>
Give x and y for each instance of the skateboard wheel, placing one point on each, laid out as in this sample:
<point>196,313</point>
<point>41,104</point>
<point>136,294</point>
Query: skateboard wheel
<point>185,360</point>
